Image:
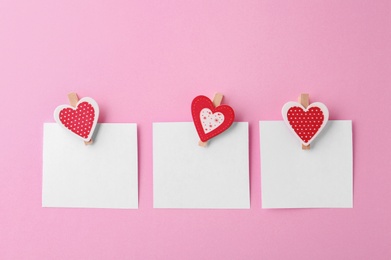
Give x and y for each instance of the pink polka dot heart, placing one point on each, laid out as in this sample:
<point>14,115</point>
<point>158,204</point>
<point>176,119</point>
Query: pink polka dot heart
<point>81,120</point>
<point>210,121</point>
<point>305,123</point>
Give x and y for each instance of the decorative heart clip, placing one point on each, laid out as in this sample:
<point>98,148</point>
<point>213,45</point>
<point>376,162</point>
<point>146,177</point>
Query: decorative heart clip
<point>211,118</point>
<point>80,118</point>
<point>306,121</point>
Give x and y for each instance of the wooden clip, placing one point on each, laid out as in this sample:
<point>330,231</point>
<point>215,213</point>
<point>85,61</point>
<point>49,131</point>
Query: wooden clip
<point>216,102</point>
<point>73,99</point>
<point>304,100</point>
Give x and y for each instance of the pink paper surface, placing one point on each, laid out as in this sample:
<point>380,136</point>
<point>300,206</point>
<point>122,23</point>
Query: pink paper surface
<point>143,62</point>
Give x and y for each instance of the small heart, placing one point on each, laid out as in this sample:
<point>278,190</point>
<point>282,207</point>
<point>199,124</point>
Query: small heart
<point>209,120</point>
<point>306,123</point>
<point>80,120</point>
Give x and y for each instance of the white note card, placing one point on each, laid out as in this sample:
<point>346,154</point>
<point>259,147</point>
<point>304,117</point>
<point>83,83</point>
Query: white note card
<point>321,177</point>
<point>101,175</point>
<point>186,175</point>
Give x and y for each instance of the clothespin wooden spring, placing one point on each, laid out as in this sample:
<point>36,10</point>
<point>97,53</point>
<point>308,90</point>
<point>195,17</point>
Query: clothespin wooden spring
<point>73,99</point>
<point>304,100</point>
<point>216,102</point>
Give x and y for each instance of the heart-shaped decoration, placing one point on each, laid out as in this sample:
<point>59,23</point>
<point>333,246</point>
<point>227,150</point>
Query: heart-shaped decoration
<point>80,120</point>
<point>209,120</point>
<point>306,123</point>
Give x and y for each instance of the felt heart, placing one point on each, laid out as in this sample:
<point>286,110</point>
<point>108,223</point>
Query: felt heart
<point>209,120</point>
<point>80,120</point>
<point>306,123</point>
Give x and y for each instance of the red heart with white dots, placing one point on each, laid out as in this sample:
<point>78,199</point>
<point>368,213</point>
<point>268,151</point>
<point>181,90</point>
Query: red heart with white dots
<point>209,120</point>
<point>306,123</point>
<point>80,120</point>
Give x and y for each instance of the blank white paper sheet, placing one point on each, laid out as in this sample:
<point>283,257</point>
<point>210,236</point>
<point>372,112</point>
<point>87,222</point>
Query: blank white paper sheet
<point>321,177</point>
<point>101,175</point>
<point>186,175</point>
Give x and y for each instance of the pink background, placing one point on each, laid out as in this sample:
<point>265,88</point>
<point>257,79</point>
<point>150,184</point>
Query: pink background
<point>144,62</point>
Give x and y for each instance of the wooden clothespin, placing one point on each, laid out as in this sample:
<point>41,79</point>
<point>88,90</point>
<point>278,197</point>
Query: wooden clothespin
<point>210,117</point>
<point>216,102</point>
<point>304,100</point>
<point>305,120</point>
<point>79,118</point>
<point>73,100</point>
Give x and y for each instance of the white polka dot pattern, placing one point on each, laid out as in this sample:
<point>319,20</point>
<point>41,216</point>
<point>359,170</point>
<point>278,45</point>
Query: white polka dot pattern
<point>305,123</point>
<point>79,120</point>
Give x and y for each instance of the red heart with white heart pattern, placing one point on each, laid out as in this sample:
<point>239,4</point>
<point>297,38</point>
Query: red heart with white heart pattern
<point>80,120</point>
<point>306,123</point>
<point>209,120</point>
